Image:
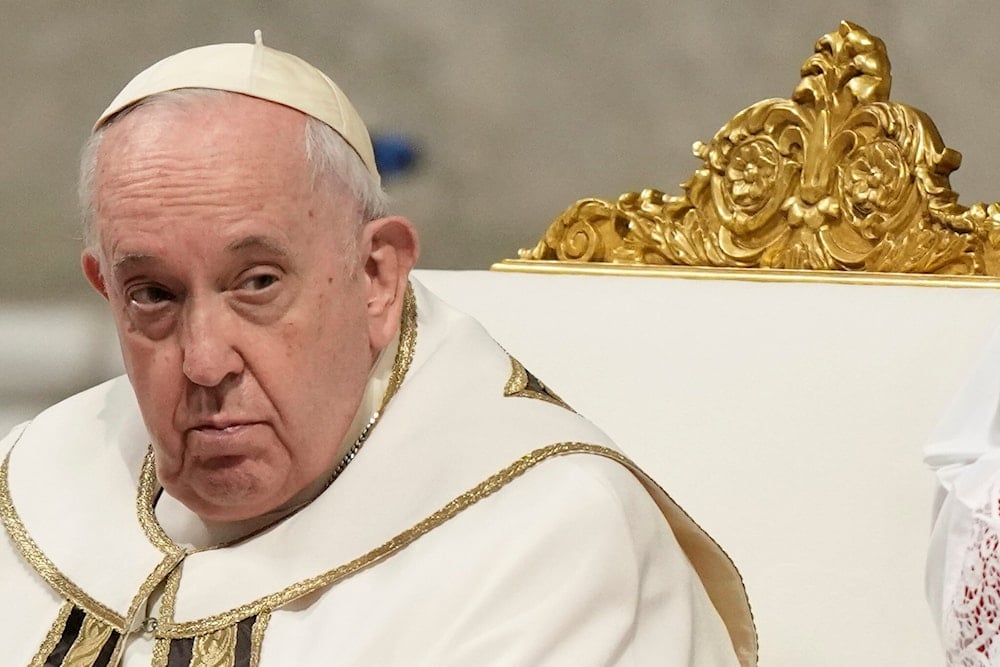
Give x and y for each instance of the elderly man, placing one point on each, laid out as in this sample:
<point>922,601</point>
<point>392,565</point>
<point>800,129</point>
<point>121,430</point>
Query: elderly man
<point>312,460</point>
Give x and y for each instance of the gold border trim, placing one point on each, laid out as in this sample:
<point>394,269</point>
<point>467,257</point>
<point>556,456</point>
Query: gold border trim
<point>37,559</point>
<point>144,503</point>
<point>518,379</point>
<point>257,637</point>
<point>745,274</point>
<point>161,645</point>
<point>484,489</point>
<point>161,653</point>
<point>34,556</point>
<point>53,637</point>
<point>517,386</point>
<point>407,347</point>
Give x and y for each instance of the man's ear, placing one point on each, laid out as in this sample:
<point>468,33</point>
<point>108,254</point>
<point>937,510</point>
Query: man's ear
<point>92,270</point>
<point>393,248</point>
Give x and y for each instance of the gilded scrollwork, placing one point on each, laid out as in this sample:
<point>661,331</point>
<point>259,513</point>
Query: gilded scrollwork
<point>835,178</point>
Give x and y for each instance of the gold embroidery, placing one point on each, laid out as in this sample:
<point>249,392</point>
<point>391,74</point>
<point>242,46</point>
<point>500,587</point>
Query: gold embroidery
<point>380,553</point>
<point>33,555</point>
<point>161,653</point>
<point>522,383</point>
<point>257,637</point>
<point>89,642</point>
<point>217,649</point>
<point>161,649</point>
<point>166,566</point>
<point>145,501</point>
<point>51,639</point>
<point>42,565</point>
<point>407,346</point>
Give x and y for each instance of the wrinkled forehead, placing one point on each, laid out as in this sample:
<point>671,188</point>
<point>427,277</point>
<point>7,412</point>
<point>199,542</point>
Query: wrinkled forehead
<point>202,154</point>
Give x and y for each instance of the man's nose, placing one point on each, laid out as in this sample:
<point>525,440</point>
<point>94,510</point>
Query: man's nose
<point>209,344</point>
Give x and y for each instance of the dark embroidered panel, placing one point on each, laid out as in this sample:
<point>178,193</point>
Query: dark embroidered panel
<point>82,657</point>
<point>180,652</point>
<point>70,632</point>
<point>244,634</point>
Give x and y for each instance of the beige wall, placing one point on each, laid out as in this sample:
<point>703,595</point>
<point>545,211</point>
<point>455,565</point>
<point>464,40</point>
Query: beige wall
<point>521,107</point>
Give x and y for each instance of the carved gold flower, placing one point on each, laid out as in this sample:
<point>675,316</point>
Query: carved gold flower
<point>874,178</point>
<point>751,173</point>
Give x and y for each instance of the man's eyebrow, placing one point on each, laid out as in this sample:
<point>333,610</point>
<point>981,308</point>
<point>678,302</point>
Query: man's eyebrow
<point>130,259</point>
<point>258,243</point>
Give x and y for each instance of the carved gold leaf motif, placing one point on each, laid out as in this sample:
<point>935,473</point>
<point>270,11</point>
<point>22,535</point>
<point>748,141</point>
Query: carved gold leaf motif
<point>836,178</point>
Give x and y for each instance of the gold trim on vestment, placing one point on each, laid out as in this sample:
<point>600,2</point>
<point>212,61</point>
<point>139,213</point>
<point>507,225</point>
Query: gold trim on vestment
<point>257,637</point>
<point>145,502</point>
<point>55,634</point>
<point>161,648</point>
<point>163,569</point>
<point>406,349</point>
<point>42,565</point>
<point>523,384</point>
<point>518,379</point>
<point>161,652</point>
<point>389,548</point>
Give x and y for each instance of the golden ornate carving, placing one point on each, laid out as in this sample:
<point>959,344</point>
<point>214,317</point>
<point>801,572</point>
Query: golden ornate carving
<point>835,178</point>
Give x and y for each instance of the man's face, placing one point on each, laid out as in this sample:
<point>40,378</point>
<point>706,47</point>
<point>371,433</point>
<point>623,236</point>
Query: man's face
<point>238,297</point>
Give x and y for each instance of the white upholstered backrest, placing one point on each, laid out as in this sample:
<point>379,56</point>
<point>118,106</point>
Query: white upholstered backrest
<point>787,418</point>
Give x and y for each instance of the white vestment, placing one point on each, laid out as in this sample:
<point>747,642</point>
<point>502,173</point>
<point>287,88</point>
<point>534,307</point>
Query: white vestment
<point>482,522</point>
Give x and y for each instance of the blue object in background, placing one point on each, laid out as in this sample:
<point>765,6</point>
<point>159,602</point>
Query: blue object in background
<point>395,155</point>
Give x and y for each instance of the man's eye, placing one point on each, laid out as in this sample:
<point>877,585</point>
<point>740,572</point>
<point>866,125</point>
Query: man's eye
<point>259,282</point>
<point>149,296</point>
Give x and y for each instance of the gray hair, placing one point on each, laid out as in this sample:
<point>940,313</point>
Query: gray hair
<point>332,160</point>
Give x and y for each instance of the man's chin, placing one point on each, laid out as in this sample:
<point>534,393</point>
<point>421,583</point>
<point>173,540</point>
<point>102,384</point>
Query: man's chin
<point>225,493</point>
